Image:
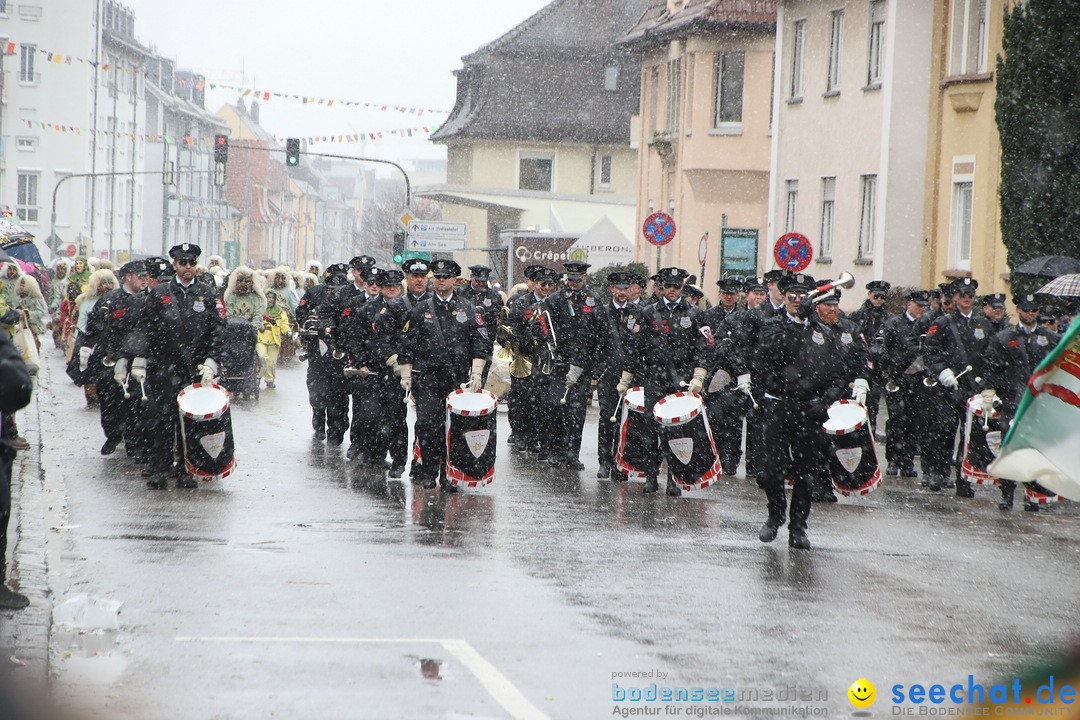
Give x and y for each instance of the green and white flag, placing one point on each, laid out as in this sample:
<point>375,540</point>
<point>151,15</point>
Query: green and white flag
<point>1043,443</point>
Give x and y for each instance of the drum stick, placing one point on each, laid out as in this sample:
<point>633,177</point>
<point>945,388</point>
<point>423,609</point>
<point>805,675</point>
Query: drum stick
<point>566,394</point>
<point>615,417</point>
<point>142,388</point>
<point>750,394</point>
<point>124,385</point>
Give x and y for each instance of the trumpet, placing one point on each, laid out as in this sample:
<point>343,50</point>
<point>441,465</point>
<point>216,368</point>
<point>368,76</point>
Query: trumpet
<point>823,292</point>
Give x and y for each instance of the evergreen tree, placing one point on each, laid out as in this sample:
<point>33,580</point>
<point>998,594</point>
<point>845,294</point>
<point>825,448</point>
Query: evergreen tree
<point>1038,118</point>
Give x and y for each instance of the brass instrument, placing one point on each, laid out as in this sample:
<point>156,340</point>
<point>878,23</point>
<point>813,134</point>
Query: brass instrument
<point>551,344</point>
<point>846,280</point>
<point>510,349</point>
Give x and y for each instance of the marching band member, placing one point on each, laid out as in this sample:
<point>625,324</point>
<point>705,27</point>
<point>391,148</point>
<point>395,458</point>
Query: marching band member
<point>901,341</point>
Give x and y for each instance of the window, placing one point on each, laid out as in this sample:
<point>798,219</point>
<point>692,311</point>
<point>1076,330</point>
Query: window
<point>836,51</point>
<point>875,54</point>
<point>674,81</point>
<point>963,196</point>
<point>798,49</point>
<point>611,78</point>
<point>727,106</point>
<point>26,64</point>
<point>654,99</point>
<point>867,214</point>
<point>26,143</point>
<point>605,171</point>
<point>791,211</point>
<point>3,7</point>
<point>26,202</point>
<point>534,172</point>
<point>969,37</point>
<point>828,208</point>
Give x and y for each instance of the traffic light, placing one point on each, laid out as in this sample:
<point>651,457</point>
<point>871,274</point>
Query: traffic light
<point>292,152</point>
<point>399,246</point>
<point>221,155</point>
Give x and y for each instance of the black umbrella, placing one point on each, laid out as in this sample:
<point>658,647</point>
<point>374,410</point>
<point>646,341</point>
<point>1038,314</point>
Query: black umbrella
<point>1049,266</point>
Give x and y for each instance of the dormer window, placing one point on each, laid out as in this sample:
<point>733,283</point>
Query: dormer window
<point>674,6</point>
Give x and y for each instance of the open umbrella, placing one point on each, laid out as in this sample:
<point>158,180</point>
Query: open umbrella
<point>11,230</point>
<point>1049,266</point>
<point>1066,286</point>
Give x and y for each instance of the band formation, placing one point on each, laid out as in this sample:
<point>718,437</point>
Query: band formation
<point>682,387</point>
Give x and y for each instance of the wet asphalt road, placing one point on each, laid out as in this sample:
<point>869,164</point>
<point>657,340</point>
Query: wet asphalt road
<point>303,587</point>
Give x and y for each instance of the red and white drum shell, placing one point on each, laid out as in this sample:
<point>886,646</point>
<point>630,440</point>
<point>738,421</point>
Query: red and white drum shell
<point>1037,494</point>
<point>470,437</point>
<point>687,440</point>
<point>854,465</point>
<point>982,442</point>
<point>206,430</point>
<point>630,457</point>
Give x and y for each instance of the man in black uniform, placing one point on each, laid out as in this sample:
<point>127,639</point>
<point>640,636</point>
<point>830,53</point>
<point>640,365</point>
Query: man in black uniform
<point>355,333</point>
<point>901,368</point>
<point>327,395</point>
<point>416,281</point>
<point>802,373</point>
<point>870,318</point>
<point>1011,358</point>
<point>389,322</point>
<point>727,405</point>
<point>448,346</point>
<point>674,353</point>
<point>525,428</point>
<point>626,319</point>
<point>953,342</point>
<point>114,320</point>
<point>993,306</point>
<point>584,340</point>
<point>489,302</point>
<point>182,332</point>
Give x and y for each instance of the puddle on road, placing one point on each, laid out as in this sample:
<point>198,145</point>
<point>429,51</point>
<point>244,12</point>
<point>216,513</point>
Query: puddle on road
<point>90,658</point>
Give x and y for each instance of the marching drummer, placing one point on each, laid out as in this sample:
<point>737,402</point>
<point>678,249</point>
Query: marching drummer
<point>1011,358</point>
<point>902,364</point>
<point>802,372</point>
<point>673,353</point>
<point>182,332</point>
<point>448,346</point>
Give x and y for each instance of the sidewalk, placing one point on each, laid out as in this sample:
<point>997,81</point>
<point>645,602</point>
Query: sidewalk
<point>25,634</point>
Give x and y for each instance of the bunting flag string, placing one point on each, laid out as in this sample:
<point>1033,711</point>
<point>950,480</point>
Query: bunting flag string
<point>399,133</point>
<point>200,83</point>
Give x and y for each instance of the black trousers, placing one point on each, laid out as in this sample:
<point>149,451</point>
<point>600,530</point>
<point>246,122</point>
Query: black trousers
<point>430,388</point>
<point>940,427</point>
<point>608,399</point>
<point>568,419</point>
<point>726,423</point>
<point>7,459</point>
<point>393,432</point>
<point>517,407</point>
<point>328,397</point>
<point>793,440</point>
<point>545,421</point>
<point>112,405</point>
<point>907,412</point>
<point>755,442</point>
<point>162,417</point>
<point>368,404</point>
<point>655,389</point>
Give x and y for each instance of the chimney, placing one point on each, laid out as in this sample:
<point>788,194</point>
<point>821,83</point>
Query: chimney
<point>254,112</point>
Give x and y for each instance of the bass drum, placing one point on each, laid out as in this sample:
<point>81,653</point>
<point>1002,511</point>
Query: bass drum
<point>470,437</point>
<point>687,440</point>
<point>629,457</point>
<point>982,442</point>
<point>853,463</point>
<point>1037,494</point>
<point>206,429</point>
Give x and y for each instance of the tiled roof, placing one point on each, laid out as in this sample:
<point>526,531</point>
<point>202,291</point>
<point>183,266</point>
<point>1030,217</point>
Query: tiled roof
<point>658,21</point>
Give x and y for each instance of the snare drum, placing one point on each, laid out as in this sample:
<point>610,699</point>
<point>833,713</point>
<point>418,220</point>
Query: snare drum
<point>982,442</point>
<point>206,430</point>
<point>687,440</point>
<point>470,437</point>
<point>854,464</point>
<point>630,457</point>
<point>1037,494</point>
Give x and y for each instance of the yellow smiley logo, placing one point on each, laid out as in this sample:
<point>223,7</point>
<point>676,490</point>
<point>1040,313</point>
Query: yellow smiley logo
<point>862,693</point>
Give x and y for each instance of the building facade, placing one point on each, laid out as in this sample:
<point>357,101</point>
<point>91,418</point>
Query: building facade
<point>703,131</point>
<point>849,150</point>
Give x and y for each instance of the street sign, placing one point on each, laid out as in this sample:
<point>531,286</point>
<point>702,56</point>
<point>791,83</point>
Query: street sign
<point>659,228</point>
<point>71,249</point>
<point>405,219</point>
<point>410,254</point>
<point>703,249</point>
<point>793,252</point>
<point>428,244</point>
<point>444,229</point>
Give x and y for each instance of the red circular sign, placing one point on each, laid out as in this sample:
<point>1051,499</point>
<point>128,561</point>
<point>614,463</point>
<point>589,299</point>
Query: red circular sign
<point>659,228</point>
<point>793,252</point>
<point>71,250</point>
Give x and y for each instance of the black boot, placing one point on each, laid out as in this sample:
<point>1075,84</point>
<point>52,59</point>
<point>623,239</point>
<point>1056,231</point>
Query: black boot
<point>797,539</point>
<point>110,446</point>
<point>1008,488</point>
<point>186,481</point>
<point>964,489</point>
<point>157,481</point>
<point>891,470</point>
<point>908,472</point>
<point>574,463</point>
<point>673,488</point>
<point>429,483</point>
<point>11,600</point>
<point>933,481</point>
<point>651,485</point>
<point>768,531</point>
<point>512,440</point>
<point>396,470</point>
<point>603,471</point>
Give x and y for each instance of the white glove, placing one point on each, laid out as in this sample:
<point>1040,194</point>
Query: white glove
<point>859,390</point>
<point>476,376</point>
<point>625,381</point>
<point>138,370</point>
<point>391,361</point>
<point>989,398</point>
<point>120,373</point>
<point>743,383</point>
<point>948,378</point>
<point>84,357</point>
<point>573,374</point>
<point>697,383</point>
<point>406,378</point>
<point>208,371</point>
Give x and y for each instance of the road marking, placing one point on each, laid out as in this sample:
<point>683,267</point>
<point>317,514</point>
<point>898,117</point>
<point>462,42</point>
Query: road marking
<point>497,684</point>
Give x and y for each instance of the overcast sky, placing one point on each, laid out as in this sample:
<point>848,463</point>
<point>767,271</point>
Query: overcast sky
<point>398,52</point>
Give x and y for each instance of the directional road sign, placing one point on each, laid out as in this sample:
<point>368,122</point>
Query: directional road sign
<point>440,228</point>
<point>659,228</point>
<point>426,243</point>
<point>793,252</point>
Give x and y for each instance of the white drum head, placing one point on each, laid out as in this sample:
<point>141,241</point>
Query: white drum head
<point>203,402</point>
<point>677,408</point>
<point>844,417</point>
<point>975,407</point>
<point>468,403</point>
<point>635,399</point>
